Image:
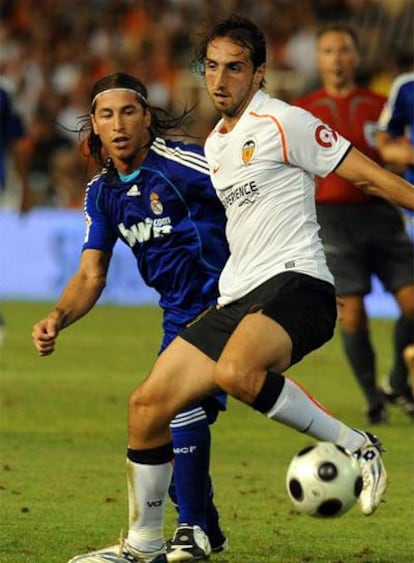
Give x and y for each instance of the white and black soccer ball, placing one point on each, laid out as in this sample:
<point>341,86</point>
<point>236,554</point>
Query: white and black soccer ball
<point>324,480</point>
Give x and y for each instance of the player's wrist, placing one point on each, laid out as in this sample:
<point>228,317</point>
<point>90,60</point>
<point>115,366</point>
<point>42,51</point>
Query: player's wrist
<point>58,314</point>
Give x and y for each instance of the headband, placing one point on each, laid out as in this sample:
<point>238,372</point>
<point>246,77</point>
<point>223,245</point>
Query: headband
<point>141,96</point>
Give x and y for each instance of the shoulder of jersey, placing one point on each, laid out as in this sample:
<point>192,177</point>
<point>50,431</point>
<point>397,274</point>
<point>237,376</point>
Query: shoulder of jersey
<point>94,185</point>
<point>97,179</point>
<point>273,108</point>
<point>308,99</point>
<point>175,152</point>
<point>404,79</point>
<point>371,94</point>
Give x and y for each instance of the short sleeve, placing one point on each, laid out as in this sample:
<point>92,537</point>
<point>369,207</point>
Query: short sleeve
<point>311,144</point>
<point>99,234</point>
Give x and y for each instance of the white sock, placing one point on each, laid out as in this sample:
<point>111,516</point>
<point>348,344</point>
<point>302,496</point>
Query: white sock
<point>297,409</point>
<point>147,494</point>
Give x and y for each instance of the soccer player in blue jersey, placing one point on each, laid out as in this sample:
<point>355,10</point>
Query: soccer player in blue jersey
<point>395,137</point>
<point>395,143</point>
<point>155,195</point>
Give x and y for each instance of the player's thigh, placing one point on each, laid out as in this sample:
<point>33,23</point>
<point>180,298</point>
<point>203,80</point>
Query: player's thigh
<point>405,298</point>
<point>307,311</point>
<point>258,343</point>
<point>294,314</point>
<point>353,314</point>
<point>181,375</point>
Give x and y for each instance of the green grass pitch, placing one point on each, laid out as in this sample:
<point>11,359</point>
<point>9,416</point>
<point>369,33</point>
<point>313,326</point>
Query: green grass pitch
<point>63,443</point>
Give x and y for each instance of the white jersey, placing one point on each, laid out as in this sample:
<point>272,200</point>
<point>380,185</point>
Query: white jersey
<point>263,171</point>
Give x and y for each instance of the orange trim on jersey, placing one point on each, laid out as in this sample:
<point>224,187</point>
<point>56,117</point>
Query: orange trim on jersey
<point>317,403</point>
<point>281,131</point>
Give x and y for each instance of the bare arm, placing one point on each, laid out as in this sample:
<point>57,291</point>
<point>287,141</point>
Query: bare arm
<point>77,299</point>
<point>374,180</point>
<point>394,150</point>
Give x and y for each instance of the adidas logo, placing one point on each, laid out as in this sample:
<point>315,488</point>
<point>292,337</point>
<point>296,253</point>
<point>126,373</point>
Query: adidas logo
<point>134,191</point>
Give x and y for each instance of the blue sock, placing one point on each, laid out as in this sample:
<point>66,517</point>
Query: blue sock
<point>190,488</point>
<point>214,532</point>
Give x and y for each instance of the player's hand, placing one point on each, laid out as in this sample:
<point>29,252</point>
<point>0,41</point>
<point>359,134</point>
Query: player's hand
<point>44,336</point>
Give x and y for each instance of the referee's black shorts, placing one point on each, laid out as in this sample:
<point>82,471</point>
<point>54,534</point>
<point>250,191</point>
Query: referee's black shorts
<point>363,239</point>
<point>304,306</point>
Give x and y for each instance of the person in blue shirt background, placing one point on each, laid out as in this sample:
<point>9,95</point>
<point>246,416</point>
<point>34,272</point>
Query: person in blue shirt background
<point>12,132</point>
<point>155,195</point>
<point>395,143</point>
<point>395,136</point>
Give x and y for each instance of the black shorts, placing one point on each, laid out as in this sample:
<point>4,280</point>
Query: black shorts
<point>365,239</point>
<point>304,306</point>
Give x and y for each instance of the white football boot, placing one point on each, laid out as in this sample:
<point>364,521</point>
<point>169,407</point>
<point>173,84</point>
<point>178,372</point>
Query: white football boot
<point>121,553</point>
<point>374,474</point>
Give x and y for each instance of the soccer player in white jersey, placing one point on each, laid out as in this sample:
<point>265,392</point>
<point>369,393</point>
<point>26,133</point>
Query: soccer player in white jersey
<point>277,299</point>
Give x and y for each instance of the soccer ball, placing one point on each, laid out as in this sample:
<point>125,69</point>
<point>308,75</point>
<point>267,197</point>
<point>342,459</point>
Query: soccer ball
<point>324,480</point>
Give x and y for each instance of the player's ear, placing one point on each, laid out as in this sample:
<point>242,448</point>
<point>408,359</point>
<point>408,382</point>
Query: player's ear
<point>259,75</point>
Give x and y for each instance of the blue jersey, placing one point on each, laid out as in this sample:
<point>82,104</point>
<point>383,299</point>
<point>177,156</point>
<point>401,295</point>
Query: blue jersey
<point>167,212</point>
<point>11,129</point>
<point>397,118</point>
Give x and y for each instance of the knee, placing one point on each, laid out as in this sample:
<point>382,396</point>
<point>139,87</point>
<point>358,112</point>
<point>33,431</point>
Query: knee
<point>353,317</point>
<point>407,310</point>
<point>147,420</point>
<point>405,298</point>
<point>136,401</point>
<point>236,380</point>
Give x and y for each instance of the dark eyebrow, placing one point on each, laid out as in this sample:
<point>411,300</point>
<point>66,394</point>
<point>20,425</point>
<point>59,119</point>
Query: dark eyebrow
<point>235,62</point>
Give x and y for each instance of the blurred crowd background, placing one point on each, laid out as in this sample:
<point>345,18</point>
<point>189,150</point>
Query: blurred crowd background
<point>53,51</point>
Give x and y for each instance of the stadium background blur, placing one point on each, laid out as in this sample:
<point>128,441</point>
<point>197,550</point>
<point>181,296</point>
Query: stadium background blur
<point>52,52</point>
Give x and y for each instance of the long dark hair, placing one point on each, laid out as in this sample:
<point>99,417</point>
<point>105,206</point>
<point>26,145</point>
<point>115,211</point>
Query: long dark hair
<point>162,121</point>
<point>242,31</point>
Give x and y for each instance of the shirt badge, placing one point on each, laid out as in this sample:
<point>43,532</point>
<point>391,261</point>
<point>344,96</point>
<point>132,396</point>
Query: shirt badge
<point>134,191</point>
<point>325,136</point>
<point>248,150</point>
<point>156,204</point>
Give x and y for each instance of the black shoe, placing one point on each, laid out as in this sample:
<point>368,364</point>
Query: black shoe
<point>218,540</point>
<point>377,414</point>
<point>189,543</point>
<point>403,400</point>
<point>220,547</point>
